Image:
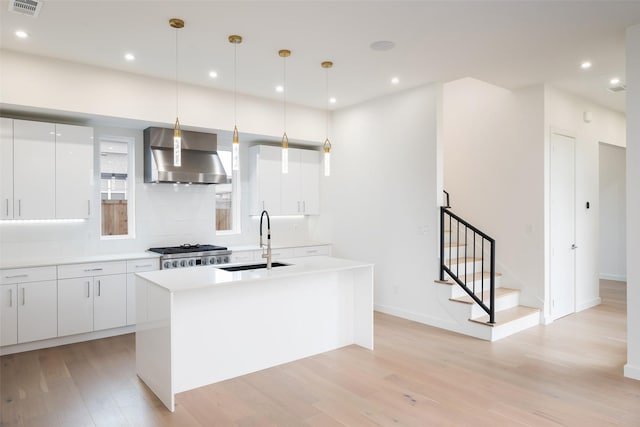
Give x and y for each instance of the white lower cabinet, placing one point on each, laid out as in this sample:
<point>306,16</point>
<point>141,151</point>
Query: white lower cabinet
<point>28,308</point>
<point>8,314</point>
<point>91,297</point>
<point>136,266</point>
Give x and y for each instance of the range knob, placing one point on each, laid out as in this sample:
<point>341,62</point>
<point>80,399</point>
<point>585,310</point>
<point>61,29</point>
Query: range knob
<point>213,260</point>
<point>225,259</point>
<point>183,263</point>
<point>192,262</point>
<point>167,264</point>
<point>174,264</point>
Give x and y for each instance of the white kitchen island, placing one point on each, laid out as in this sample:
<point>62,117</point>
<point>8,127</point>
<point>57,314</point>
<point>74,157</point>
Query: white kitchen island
<point>200,325</point>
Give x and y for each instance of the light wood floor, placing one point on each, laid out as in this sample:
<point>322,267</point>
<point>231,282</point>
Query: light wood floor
<point>567,373</point>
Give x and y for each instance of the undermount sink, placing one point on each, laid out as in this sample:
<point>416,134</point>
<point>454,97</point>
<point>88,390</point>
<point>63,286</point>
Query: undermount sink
<point>252,266</point>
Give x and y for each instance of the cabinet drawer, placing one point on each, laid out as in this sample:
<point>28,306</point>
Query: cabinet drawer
<point>312,250</point>
<point>244,256</point>
<point>91,269</point>
<point>25,275</point>
<point>145,264</point>
<point>282,253</point>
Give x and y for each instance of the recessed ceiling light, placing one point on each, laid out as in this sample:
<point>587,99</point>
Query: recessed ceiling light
<point>614,81</point>
<point>395,80</point>
<point>129,56</point>
<point>382,45</point>
<point>22,34</point>
<point>333,100</point>
<point>213,74</point>
<point>585,65</point>
<point>279,88</point>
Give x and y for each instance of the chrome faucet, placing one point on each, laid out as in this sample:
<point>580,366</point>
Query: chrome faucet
<point>266,255</point>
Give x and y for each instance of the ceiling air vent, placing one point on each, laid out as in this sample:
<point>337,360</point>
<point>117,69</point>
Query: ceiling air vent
<point>617,88</point>
<point>26,7</point>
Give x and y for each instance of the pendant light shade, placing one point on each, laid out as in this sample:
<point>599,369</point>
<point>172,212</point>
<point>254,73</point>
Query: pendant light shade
<point>235,155</point>
<point>284,54</point>
<point>327,144</point>
<point>177,133</point>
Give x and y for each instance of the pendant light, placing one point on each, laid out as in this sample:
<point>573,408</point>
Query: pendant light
<point>284,53</point>
<point>177,134</point>
<point>235,158</point>
<point>327,144</point>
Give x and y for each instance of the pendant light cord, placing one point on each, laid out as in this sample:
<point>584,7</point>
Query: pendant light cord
<point>327,90</point>
<point>235,84</point>
<point>284,91</point>
<point>177,73</point>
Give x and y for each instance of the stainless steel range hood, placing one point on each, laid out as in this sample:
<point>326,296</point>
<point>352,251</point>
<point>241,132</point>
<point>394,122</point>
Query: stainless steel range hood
<point>200,161</point>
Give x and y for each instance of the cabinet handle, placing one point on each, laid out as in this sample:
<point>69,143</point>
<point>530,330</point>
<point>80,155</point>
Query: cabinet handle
<point>7,204</point>
<point>10,297</point>
<point>24,299</point>
<point>88,289</point>
<point>19,207</point>
<point>98,287</point>
<point>89,207</point>
<point>93,269</point>
<point>16,276</point>
<point>312,251</point>
<point>143,266</point>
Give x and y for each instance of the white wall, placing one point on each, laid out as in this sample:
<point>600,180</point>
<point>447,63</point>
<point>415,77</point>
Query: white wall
<point>564,113</point>
<point>379,202</point>
<point>165,214</point>
<point>632,368</point>
<point>613,207</point>
<point>493,170</point>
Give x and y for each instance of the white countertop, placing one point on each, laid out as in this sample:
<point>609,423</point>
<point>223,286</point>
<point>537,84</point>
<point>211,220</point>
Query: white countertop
<point>42,262</point>
<point>186,279</point>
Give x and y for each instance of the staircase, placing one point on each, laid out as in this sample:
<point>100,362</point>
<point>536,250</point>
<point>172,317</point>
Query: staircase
<point>468,258</point>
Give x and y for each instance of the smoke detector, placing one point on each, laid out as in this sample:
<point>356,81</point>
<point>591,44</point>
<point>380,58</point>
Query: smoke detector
<point>26,7</point>
<point>618,88</point>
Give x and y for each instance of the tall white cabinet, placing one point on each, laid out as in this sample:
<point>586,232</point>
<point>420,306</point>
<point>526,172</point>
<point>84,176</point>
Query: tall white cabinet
<point>74,171</point>
<point>294,193</point>
<point>46,170</point>
<point>34,170</point>
<point>6,168</point>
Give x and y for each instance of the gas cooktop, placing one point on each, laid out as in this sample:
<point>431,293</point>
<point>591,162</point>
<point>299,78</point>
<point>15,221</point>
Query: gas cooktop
<point>187,249</point>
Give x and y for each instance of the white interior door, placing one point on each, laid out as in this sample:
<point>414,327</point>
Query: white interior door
<point>562,226</point>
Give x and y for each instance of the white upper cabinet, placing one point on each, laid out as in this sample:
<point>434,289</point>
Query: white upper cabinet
<point>46,170</point>
<point>74,171</point>
<point>265,177</point>
<point>6,168</point>
<point>34,167</point>
<point>294,193</point>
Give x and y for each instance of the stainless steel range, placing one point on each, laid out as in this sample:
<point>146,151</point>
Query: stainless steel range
<point>192,255</point>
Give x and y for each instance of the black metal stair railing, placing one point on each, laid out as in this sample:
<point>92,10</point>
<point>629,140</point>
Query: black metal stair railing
<point>471,240</point>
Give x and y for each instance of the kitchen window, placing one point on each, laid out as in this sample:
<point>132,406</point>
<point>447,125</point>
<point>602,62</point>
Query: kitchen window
<point>116,187</point>
<point>228,198</point>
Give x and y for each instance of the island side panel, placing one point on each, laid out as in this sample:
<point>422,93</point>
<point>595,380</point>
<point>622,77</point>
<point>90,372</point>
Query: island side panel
<point>363,306</point>
<point>227,331</point>
<point>153,339</point>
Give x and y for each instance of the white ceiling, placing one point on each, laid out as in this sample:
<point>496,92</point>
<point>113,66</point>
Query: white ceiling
<point>511,44</point>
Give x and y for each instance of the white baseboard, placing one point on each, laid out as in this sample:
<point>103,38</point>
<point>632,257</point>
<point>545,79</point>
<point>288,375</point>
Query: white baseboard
<point>588,304</point>
<point>70,339</point>
<point>615,277</point>
<point>632,372</point>
<point>416,317</point>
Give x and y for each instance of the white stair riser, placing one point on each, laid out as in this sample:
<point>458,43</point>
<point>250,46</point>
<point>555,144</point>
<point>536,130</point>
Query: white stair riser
<point>502,303</point>
<point>457,291</point>
<point>515,326</point>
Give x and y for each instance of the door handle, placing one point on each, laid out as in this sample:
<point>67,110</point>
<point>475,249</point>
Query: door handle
<point>99,288</point>
<point>24,300</point>
<point>573,246</point>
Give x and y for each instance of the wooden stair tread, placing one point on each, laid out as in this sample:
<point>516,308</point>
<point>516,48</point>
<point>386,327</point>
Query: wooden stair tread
<point>477,276</point>
<point>506,316</point>
<point>453,261</point>
<point>500,292</point>
<point>454,245</point>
